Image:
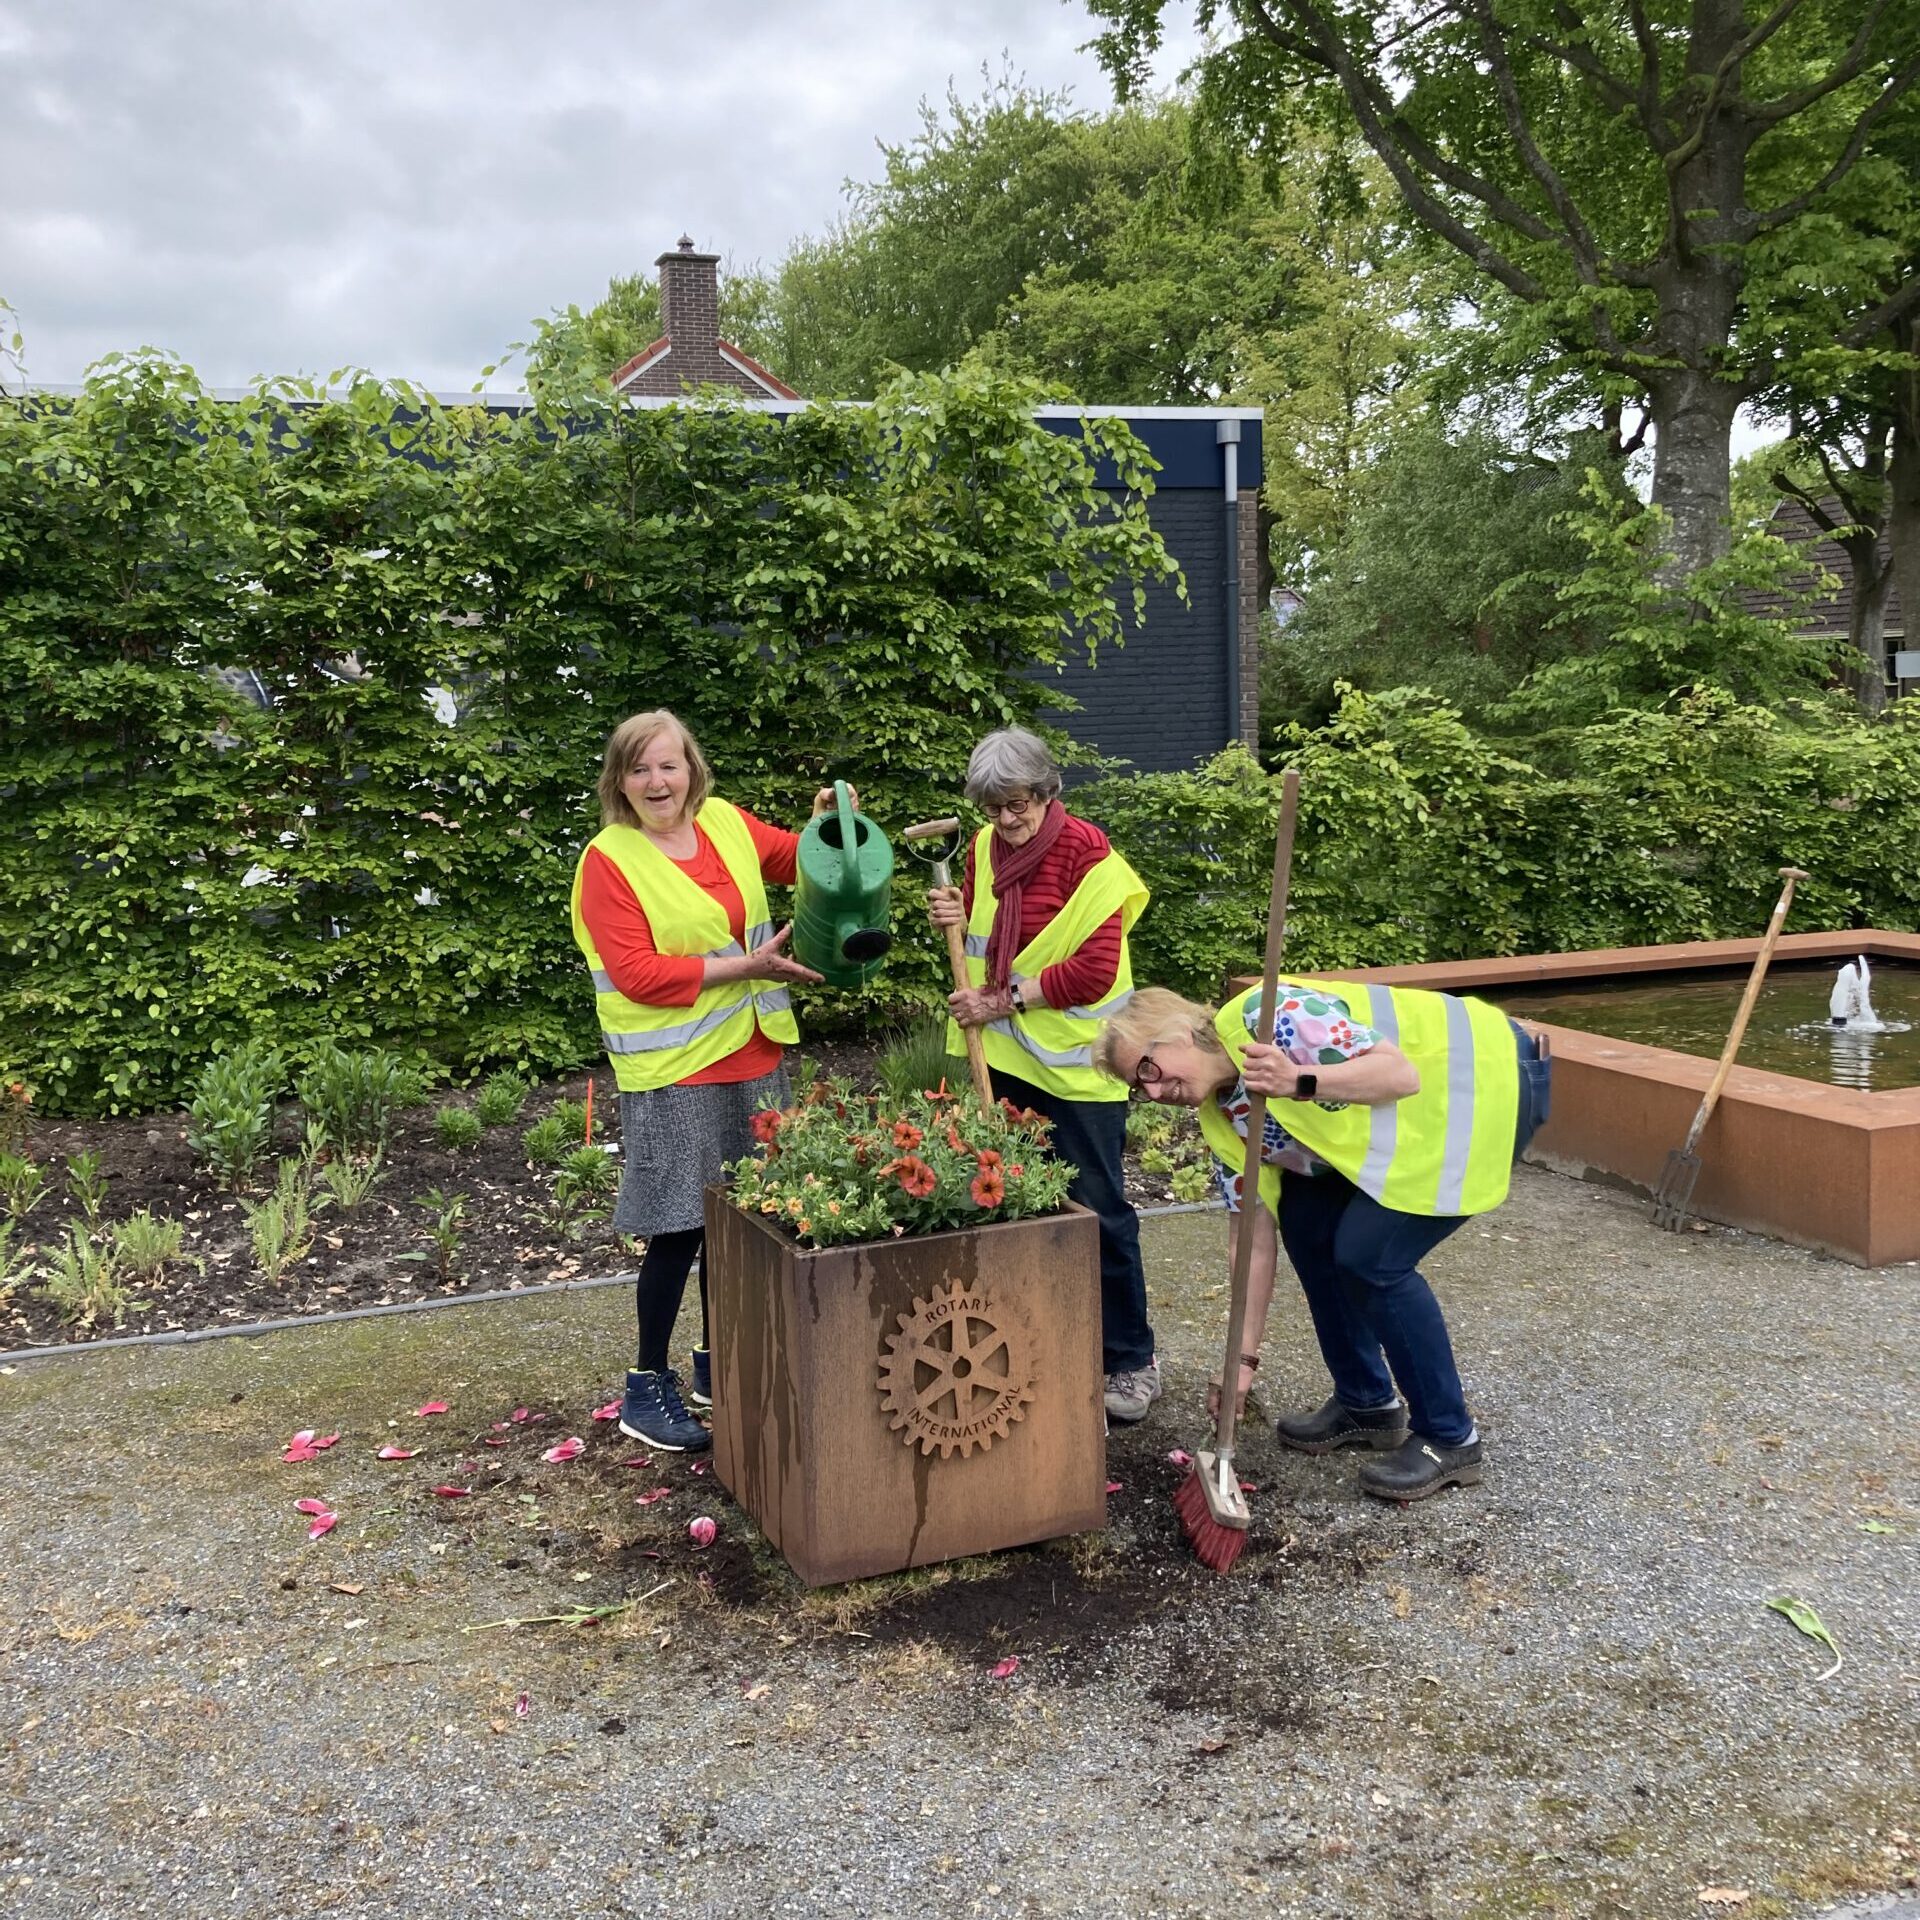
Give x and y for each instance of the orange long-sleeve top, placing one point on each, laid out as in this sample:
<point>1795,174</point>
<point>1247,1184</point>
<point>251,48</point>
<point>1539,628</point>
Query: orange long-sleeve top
<point>623,936</point>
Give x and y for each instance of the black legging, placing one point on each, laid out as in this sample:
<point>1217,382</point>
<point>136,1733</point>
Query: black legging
<point>658,1289</point>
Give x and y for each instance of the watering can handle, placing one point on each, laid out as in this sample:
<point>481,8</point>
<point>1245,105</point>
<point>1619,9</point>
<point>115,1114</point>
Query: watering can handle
<point>849,841</point>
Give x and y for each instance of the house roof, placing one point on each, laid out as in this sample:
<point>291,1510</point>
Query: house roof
<point>776,388</point>
<point>1826,615</point>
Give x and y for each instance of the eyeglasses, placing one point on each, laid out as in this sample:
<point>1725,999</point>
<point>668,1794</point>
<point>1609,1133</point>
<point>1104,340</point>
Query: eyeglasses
<point>1145,1074</point>
<point>1018,808</point>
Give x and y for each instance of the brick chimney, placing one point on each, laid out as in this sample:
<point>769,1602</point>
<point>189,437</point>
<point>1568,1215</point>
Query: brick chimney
<point>690,301</point>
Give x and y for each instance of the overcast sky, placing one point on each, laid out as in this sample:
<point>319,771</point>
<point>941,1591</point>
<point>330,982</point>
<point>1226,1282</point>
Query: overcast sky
<point>291,186</point>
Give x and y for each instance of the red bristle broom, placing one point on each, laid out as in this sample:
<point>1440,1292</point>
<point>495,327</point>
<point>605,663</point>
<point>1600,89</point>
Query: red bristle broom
<point>1211,1506</point>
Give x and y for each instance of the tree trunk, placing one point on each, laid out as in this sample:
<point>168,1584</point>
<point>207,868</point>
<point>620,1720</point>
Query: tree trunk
<point>1867,621</point>
<point>1693,466</point>
<point>1903,472</point>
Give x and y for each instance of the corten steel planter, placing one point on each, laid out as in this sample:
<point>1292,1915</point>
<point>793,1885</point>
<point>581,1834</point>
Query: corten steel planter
<point>898,1402</point>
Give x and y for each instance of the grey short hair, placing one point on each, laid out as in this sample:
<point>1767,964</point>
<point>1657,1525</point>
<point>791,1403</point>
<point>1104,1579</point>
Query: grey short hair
<point>1008,762</point>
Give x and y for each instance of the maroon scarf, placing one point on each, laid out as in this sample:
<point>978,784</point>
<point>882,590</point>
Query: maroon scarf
<point>1013,867</point>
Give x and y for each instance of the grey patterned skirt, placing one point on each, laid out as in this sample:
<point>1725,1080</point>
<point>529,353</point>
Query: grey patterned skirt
<point>674,1142</point>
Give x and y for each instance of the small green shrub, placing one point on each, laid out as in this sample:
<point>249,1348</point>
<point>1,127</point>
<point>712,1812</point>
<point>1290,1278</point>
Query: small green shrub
<point>572,1117</point>
<point>916,1061</point>
<point>354,1095</point>
<point>14,1267</point>
<point>348,1178</point>
<point>146,1244</point>
<point>593,1169</point>
<point>501,1099</point>
<point>446,1229</point>
<point>230,1117</point>
<point>1193,1183</point>
<point>281,1225</point>
<point>547,1141</point>
<point>82,1281</point>
<point>22,1184</point>
<point>456,1128</point>
<point>580,1189</point>
<point>88,1185</point>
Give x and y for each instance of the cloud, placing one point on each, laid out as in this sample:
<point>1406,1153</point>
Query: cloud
<point>298,186</point>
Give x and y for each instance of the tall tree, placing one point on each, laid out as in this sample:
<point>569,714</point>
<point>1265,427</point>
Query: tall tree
<point>1615,167</point>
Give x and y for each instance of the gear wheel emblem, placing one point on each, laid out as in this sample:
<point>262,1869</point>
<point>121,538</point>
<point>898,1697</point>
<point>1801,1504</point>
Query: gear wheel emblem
<point>957,1374</point>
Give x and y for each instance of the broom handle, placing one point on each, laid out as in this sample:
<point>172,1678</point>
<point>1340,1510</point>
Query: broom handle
<point>1737,1032</point>
<point>1229,1415</point>
<point>957,962</point>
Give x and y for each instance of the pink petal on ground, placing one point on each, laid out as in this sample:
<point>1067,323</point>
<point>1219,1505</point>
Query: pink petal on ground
<point>1181,1457</point>
<point>521,1705</point>
<point>325,1523</point>
<point>701,1531</point>
<point>432,1406</point>
<point>304,1438</point>
<point>493,1440</point>
<point>453,1493</point>
<point>611,1411</point>
<point>647,1499</point>
<point>1249,1486</point>
<point>325,1441</point>
<point>311,1506</point>
<point>520,1416</point>
<point>396,1453</point>
<point>639,1460</point>
<point>569,1449</point>
<point>299,1453</point>
<point>696,1466</point>
<point>1007,1668</point>
<point>1116,1486</point>
<point>500,1426</point>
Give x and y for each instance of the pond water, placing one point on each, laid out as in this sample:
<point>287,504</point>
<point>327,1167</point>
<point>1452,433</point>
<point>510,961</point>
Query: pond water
<point>1790,1031</point>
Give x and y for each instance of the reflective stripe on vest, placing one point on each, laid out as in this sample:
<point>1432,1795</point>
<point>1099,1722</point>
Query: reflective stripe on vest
<point>653,1046</point>
<point>1446,1150</point>
<point>1052,1047</point>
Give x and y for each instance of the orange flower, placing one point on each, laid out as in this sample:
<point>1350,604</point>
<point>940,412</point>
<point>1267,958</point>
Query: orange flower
<point>806,1225</point>
<point>954,1140</point>
<point>793,1207</point>
<point>987,1190</point>
<point>917,1177</point>
<point>766,1125</point>
<point>989,1160</point>
<point>1016,1169</point>
<point>906,1134</point>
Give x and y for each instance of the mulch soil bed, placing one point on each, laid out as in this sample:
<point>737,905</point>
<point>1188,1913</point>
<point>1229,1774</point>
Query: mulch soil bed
<point>379,1254</point>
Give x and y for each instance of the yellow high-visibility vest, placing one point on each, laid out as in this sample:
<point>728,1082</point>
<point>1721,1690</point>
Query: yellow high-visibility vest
<point>657,1046</point>
<point>1052,1047</point>
<point>1446,1150</point>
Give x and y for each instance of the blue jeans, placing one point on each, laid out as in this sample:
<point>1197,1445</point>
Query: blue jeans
<point>1373,1312</point>
<point>1091,1135</point>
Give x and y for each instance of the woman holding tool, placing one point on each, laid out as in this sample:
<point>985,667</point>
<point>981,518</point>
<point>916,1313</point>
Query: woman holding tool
<point>1405,1112</point>
<point>1045,912</point>
<point>670,909</point>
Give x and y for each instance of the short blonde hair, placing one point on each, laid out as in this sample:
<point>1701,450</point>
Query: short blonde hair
<point>1155,1015</point>
<point>624,747</point>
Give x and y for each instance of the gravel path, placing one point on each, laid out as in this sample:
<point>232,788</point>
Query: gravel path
<point>1559,1694</point>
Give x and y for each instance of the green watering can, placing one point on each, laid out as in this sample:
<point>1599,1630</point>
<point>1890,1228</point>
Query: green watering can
<point>840,894</point>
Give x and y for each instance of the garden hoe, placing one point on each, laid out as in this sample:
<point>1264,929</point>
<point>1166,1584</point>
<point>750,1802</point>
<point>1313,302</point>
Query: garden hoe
<point>1674,1195</point>
<point>1211,1506</point>
<point>945,835</point>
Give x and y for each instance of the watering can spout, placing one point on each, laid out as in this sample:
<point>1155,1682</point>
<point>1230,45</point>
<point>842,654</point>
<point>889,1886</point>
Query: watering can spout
<point>842,886</point>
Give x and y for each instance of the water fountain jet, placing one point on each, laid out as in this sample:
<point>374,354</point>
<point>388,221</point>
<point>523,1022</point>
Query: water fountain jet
<point>1851,1007</point>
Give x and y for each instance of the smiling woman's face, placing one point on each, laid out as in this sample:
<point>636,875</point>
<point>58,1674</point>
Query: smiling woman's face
<point>1177,1073</point>
<point>656,784</point>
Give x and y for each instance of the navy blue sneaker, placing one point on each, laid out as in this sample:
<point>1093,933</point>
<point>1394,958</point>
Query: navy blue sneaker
<point>652,1411</point>
<point>700,1394</point>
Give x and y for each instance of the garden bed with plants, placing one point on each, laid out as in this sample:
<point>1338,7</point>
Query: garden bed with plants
<point>352,1184</point>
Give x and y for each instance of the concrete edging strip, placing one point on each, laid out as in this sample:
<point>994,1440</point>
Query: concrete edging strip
<point>192,1336</point>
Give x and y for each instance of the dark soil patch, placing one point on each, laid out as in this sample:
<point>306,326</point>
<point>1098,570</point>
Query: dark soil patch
<point>379,1254</point>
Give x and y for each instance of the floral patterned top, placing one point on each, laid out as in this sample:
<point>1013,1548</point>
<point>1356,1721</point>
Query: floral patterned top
<point>1313,1029</point>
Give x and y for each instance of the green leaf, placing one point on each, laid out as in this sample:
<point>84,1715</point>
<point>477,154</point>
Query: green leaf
<point>1809,1623</point>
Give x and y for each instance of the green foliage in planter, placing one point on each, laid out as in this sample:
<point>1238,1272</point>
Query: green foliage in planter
<point>230,1117</point>
<point>916,1060</point>
<point>843,1165</point>
<point>457,1128</point>
<point>857,592</point>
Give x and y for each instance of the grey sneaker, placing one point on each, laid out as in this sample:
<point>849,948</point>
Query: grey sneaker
<point>1131,1393</point>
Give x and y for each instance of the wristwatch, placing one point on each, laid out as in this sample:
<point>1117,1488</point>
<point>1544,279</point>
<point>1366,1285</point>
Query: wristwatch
<point>1018,998</point>
<point>1305,1086</point>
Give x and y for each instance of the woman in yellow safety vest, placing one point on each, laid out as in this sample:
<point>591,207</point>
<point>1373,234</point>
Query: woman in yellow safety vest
<point>1405,1113</point>
<point>1047,907</point>
<point>670,910</point>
